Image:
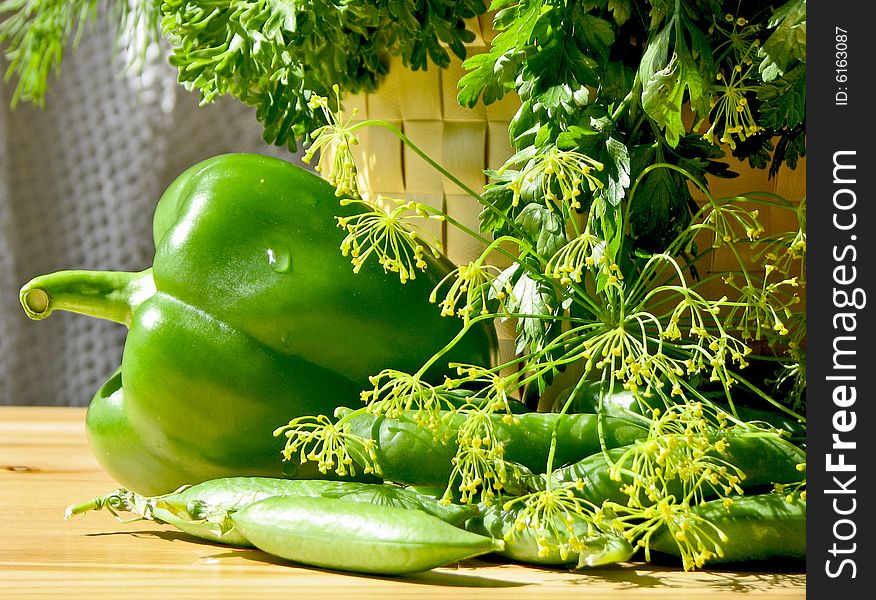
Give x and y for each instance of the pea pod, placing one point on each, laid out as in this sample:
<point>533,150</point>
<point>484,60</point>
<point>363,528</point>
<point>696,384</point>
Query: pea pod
<point>763,458</point>
<point>758,527</point>
<point>591,397</point>
<point>201,509</point>
<point>553,546</point>
<point>338,534</point>
<point>408,453</point>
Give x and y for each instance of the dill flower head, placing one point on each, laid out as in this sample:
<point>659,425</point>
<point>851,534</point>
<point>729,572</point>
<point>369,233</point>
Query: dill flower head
<point>317,439</point>
<point>493,389</point>
<point>732,114</point>
<point>333,141</point>
<point>571,261</point>
<point>479,467</point>
<point>470,288</point>
<point>731,222</point>
<point>682,457</point>
<point>399,247</point>
<point>395,392</point>
<point>698,539</point>
<point>765,304</point>
<point>557,518</point>
<point>561,174</point>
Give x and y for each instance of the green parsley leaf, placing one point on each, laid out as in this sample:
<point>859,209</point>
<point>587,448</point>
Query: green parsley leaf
<point>659,209</point>
<point>783,100</point>
<point>531,297</point>
<point>617,171</point>
<point>544,226</point>
<point>671,74</point>
<point>492,73</point>
<point>787,43</point>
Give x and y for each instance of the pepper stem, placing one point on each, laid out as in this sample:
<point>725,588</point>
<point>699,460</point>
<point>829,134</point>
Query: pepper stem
<point>111,295</point>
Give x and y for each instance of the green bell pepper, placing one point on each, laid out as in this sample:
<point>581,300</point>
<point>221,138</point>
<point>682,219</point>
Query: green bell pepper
<point>249,316</point>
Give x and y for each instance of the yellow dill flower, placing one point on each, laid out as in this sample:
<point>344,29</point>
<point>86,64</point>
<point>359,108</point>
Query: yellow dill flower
<point>555,517</point>
<point>571,261</point>
<point>333,141</point>
<point>389,235</point>
<point>561,174</point>
<point>493,389</point>
<point>470,288</point>
<point>730,222</point>
<point>317,439</point>
<point>395,392</point>
<point>479,467</point>
<point>764,305</point>
<point>732,114</point>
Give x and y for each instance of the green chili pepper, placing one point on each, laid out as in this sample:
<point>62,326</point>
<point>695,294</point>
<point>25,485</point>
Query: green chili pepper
<point>568,541</point>
<point>591,397</point>
<point>409,453</point>
<point>762,458</point>
<point>249,316</point>
<point>202,509</point>
<point>337,534</point>
<point>758,527</point>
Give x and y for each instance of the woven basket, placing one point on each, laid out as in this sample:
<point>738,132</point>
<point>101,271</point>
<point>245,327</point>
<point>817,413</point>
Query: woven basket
<point>466,141</point>
<point>422,104</point>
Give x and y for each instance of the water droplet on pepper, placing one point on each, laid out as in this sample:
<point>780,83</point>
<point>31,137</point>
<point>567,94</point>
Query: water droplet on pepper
<point>279,260</point>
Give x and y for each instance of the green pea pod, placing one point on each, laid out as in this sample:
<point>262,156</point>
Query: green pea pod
<point>583,546</point>
<point>764,458</point>
<point>408,453</point>
<point>347,536</point>
<point>592,397</point>
<point>201,510</point>
<point>758,527</point>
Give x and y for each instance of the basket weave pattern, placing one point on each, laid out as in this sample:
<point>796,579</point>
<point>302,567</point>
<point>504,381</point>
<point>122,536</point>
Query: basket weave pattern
<point>422,104</point>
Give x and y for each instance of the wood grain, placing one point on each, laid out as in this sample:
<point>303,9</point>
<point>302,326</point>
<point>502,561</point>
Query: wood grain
<point>45,464</point>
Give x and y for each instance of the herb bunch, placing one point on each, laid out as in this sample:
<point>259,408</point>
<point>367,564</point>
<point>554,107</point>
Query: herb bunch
<point>595,210</point>
<point>270,54</point>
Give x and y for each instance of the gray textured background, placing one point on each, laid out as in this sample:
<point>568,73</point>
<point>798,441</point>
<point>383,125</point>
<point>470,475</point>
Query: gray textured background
<point>79,180</point>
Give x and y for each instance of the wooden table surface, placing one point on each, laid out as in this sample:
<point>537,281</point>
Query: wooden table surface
<point>45,465</point>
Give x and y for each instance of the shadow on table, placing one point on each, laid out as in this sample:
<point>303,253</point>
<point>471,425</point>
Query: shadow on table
<point>754,576</point>
<point>437,578</point>
<point>743,577</point>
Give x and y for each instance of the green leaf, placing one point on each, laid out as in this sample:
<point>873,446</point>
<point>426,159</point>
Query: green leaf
<point>36,34</point>
<point>546,133</point>
<point>787,43</point>
<point>555,67</point>
<point>576,137</point>
<point>277,55</point>
<point>593,34</point>
<point>670,78</point>
<point>790,147</point>
<point>621,10</point>
<point>500,197</point>
<point>783,100</point>
<point>492,73</point>
<point>617,171</point>
<point>482,79</point>
<point>700,157</point>
<point>531,297</point>
<point>609,219</point>
<point>659,210</point>
<point>543,226</point>
<point>617,81</point>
